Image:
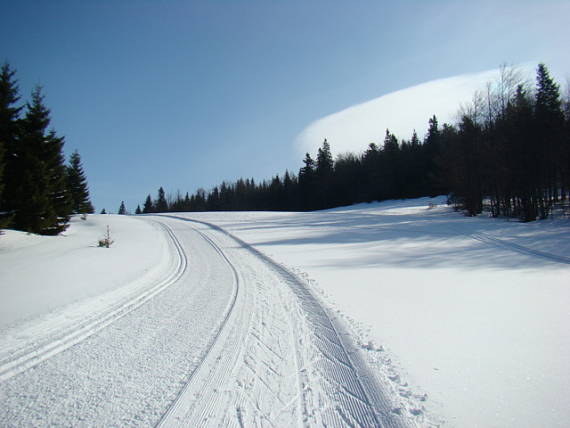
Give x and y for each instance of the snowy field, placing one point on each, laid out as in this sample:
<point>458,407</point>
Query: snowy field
<point>472,312</point>
<point>401,313</point>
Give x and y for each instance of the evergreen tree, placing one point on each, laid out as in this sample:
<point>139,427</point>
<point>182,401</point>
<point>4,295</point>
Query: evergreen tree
<point>324,172</point>
<point>432,152</point>
<point>39,196</point>
<point>307,183</point>
<point>58,190</point>
<point>161,205</point>
<point>138,210</point>
<point>550,128</point>
<point>122,209</point>
<point>103,211</point>
<point>325,162</point>
<point>77,184</point>
<point>148,206</point>
<point>9,114</point>
<point>391,182</point>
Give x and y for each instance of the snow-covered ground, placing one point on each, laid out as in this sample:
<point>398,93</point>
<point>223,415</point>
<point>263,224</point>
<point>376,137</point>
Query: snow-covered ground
<point>224,337</point>
<point>39,274</point>
<point>473,312</point>
<point>401,313</point>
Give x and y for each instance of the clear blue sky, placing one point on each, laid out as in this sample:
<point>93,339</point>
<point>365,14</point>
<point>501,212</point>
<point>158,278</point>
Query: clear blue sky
<point>185,94</point>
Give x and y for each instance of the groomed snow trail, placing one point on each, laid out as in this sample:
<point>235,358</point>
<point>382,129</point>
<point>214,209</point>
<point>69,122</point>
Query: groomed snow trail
<point>281,360</point>
<point>229,338</point>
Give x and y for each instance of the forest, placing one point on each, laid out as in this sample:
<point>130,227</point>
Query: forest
<point>39,191</point>
<point>508,154</point>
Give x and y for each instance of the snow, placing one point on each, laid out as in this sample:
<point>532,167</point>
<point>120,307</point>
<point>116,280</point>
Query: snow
<point>472,312</point>
<point>402,310</point>
<point>226,337</point>
<point>40,274</point>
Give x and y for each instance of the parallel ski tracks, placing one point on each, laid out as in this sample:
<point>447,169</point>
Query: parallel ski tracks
<point>43,345</point>
<point>175,408</point>
<point>511,246</point>
<point>334,386</point>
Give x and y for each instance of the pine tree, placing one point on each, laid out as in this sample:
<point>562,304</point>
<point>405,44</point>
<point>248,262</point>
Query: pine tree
<point>138,210</point>
<point>324,172</point>
<point>148,206</point>
<point>122,209</point>
<point>77,184</point>
<point>39,198</point>
<point>103,211</point>
<point>9,114</point>
<point>161,205</point>
<point>432,152</point>
<point>550,128</point>
<point>307,183</point>
<point>58,190</point>
<point>325,162</point>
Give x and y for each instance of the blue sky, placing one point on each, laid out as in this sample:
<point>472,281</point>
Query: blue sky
<point>185,94</point>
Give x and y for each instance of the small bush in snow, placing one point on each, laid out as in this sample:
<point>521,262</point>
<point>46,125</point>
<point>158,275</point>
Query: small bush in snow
<point>106,241</point>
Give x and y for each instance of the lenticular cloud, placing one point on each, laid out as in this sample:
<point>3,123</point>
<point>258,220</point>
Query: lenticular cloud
<point>402,111</point>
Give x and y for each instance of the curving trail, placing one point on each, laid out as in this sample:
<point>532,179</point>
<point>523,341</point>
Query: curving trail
<point>228,338</point>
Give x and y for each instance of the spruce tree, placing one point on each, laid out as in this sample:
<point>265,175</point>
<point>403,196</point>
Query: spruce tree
<point>77,184</point>
<point>550,128</point>
<point>307,183</point>
<point>122,209</point>
<point>58,191</point>
<point>9,115</point>
<point>138,210</point>
<point>161,205</point>
<point>103,211</point>
<point>148,206</point>
<point>324,172</point>
<point>325,162</point>
<point>39,195</point>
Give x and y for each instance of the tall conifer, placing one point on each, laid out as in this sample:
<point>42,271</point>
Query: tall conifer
<point>77,184</point>
<point>41,199</point>
<point>9,114</point>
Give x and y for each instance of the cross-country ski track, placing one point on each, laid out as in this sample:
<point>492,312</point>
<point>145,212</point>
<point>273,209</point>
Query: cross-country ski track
<point>227,338</point>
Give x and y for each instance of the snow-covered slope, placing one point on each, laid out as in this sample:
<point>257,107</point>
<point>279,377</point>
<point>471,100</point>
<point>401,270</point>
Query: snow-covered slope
<point>471,312</point>
<point>402,313</point>
<point>40,274</point>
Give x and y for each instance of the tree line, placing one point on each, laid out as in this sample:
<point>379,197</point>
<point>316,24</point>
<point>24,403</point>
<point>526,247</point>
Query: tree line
<point>509,153</point>
<point>38,190</point>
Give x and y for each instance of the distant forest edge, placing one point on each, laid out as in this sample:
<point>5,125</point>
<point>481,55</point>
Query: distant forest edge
<point>509,153</point>
<point>38,190</point>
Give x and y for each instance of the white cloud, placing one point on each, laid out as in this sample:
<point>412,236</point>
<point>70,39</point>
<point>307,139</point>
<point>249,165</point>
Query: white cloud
<point>402,111</point>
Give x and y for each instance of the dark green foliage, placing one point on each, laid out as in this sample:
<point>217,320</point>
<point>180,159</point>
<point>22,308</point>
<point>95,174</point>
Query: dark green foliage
<point>138,210</point>
<point>324,175</point>
<point>122,209</point>
<point>103,211</point>
<point>161,205</point>
<point>35,193</point>
<point>9,114</point>
<point>148,206</point>
<point>77,184</point>
<point>38,194</point>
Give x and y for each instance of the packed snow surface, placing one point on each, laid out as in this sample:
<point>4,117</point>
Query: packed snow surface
<point>401,313</point>
<point>471,313</point>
